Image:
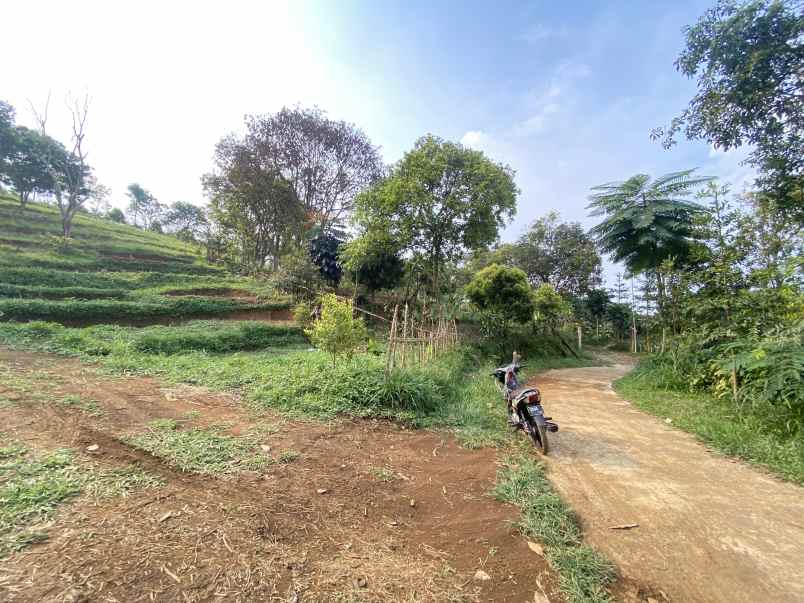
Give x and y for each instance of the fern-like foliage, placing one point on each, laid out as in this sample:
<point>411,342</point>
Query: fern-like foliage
<point>646,220</point>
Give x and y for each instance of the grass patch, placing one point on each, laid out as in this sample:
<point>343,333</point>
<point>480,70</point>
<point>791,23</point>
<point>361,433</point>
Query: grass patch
<point>383,474</point>
<point>33,486</point>
<point>89,407</point>
<point>199,450</point>
<point>583,573</point>
<point>117,310</point>
<point>743,432</point>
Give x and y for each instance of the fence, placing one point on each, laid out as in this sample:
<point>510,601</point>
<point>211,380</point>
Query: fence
<point>410,343</point>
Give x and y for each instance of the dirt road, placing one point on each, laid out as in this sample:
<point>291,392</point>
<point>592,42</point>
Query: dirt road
<point>710,529</point>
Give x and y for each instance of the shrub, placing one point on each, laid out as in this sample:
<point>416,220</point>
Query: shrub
<point>338,332</point>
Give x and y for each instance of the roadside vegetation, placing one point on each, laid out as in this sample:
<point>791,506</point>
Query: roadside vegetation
<point>583,573</point>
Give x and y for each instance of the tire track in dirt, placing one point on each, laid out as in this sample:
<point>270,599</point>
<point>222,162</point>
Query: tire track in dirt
<point>711,529</point>
<point>371,511</point>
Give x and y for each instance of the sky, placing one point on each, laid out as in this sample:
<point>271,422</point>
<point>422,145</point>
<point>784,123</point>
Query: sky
<point>566,93</point>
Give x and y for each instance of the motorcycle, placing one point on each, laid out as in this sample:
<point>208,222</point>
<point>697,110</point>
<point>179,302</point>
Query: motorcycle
<point>525,410</point>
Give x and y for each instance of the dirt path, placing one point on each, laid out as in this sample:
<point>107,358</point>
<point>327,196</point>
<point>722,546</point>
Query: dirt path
<point>710,529</point>
<point>369,511</point>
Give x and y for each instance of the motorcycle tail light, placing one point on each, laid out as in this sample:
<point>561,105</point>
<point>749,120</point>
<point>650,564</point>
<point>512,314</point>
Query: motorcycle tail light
<point>535,397</point>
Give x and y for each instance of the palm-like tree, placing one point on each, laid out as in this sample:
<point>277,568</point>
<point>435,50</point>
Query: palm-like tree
<point>647,221</point>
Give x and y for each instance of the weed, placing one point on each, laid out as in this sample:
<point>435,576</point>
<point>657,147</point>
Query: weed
<point>288,456</point>
<point>383,474</point>
<point>583,573</point>
<point>199,450</point>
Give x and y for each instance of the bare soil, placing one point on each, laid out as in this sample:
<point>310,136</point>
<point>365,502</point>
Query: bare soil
<point>709,529</point>
<point>405,516</point>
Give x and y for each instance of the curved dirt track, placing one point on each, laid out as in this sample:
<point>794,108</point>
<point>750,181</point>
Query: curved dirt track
<point>710,528</point>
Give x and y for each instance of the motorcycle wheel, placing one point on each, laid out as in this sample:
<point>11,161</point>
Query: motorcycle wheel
<point>538,433</point>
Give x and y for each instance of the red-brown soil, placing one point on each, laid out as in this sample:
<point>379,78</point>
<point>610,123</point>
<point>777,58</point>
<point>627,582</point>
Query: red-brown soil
<point>406,515</point>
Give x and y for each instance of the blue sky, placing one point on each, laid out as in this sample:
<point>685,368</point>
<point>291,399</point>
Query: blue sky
<point>564,92</point>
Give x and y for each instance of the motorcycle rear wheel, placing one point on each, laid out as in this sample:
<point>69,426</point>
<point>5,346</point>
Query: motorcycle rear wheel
<point>538,433</point>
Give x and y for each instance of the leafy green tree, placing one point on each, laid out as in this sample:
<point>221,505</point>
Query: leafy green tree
<point>143,208</point>
<point>550,309</point>
<point>377,267</point>
<point>559,253</point>
<point>440,201</point>
<point>116,215</point>
<point>749,59</point>
<point>502,291</point>
<point>27,163</point>
<point>254,206</point>
<point>647,221</point>
<point>597,302</point>
<point>188,221</point>
<point>337,331</point>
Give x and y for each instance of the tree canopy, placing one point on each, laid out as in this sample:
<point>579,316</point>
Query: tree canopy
<point>502,291</point>
<point>439,201</point>
<point>559,253</point>
<point>325,162</point>
<point>749,59</point>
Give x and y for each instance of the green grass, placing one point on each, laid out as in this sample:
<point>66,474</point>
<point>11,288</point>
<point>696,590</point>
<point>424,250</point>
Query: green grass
<point>32,486</point>
<point>742,432</point>
<point>206,451</point>
<point>583,573</point>
<point>109,310</point>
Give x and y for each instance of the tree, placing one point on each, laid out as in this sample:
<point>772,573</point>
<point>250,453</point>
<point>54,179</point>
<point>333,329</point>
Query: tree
<point>374,263</point>
<point>188,221</point>
<point>26,166</point>
<point>749,59</point>
<point>620,290</point>
<point>70,173</point>
<point>646,221</point>
<point>99,197</point>
<point>116,215</point>
<point>559,253</point>
<point>337,332</point>
<point>502,292</point>
<point>597,302</point>
<point>144,209</point>
<point>324,246</point>
<point>438,202</point>
<point>252,202</point>
<point>325,162</point>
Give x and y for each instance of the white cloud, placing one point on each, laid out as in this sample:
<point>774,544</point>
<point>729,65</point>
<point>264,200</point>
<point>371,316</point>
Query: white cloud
<point>536,123</point>
<point>540,32</point>
<point>474,138</point>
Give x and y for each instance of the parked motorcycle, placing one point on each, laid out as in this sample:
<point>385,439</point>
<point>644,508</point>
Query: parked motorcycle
<point>525,410</point>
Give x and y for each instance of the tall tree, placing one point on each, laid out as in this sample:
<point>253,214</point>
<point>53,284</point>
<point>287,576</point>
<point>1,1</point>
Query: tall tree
<point>325,162</point>
<point>26,165</point>
<point>438,202</point>
<point>252,202</point>
<point>186,220</point>
<point>559,253</point>
<point>749,60</point>
<point>144,209</point>
<point>71,173</point>
<point>646,221</point>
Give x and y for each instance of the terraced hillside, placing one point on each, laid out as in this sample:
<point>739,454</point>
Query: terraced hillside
<point>114,273</point>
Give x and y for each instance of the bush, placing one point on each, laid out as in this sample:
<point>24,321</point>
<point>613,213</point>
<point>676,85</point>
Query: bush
<point>337,332</point>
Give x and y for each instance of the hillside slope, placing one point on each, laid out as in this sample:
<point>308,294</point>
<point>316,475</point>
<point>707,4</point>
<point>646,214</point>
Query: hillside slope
<point>111,272</point>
